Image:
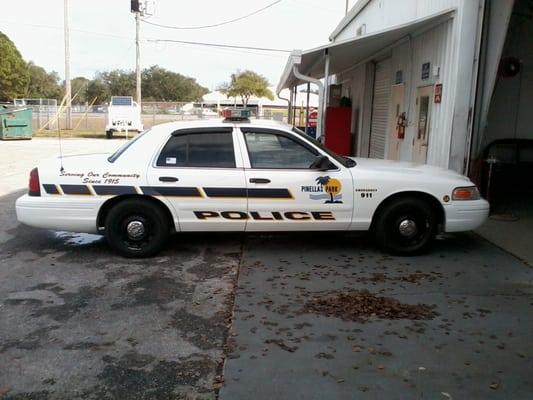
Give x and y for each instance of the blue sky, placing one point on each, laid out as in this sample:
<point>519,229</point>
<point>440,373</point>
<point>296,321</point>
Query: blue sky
<point>103,31</point>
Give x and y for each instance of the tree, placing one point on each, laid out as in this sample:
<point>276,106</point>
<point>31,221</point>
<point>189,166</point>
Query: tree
<point>158,84</point>
<point>246,84</point>
<point>161,84</point>
<point>42,84</point>
<point>119,82</point>
<point>13,71</point>
<point>80,85</point>
<point>97,88</point>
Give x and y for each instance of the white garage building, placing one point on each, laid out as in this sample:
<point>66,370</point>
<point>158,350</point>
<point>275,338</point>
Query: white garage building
<point>421,76</point>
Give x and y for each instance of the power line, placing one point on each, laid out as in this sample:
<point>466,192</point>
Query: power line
<point>218,50</point>
<point>72,30</point>
<point>154,40</point>
<point>229,46</point>
<point>213,25</point>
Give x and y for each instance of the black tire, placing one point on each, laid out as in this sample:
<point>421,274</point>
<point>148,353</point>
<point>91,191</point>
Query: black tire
<point>406,226</point>
<point>148,225</point>
<point>109,134</point>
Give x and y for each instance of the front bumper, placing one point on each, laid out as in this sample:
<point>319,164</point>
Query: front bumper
<point>58,213</point>
<point>466,215</point>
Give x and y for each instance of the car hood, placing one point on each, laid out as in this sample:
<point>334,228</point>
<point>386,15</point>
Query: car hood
<point>406,167</point>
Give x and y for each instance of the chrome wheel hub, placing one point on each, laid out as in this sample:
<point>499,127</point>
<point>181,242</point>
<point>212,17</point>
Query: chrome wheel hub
<point>135,230</point>
<point>407,228</point>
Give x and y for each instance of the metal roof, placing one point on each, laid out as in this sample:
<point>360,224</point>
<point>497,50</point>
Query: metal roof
<point>346,54</point>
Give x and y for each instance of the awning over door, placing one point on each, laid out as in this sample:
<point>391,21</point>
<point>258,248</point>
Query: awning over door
<point>347,53</point>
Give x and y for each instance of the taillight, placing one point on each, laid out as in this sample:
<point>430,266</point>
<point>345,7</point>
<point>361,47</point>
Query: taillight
<point>34,188</point>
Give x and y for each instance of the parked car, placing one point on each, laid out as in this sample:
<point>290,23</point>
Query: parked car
<point>238,175</point>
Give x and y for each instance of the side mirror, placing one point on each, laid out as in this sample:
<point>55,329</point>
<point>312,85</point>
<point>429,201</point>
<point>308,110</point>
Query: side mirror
<point>321,163</point>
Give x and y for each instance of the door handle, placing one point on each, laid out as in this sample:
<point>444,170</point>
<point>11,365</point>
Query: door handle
<point>259,180</point>
<point>168,179</point>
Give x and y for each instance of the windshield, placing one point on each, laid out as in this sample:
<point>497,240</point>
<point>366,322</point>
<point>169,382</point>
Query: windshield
<point>125,147</point>
<point>345,161</point>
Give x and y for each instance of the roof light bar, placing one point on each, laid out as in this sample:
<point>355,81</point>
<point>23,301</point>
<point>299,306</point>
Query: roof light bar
<point>236,114</point>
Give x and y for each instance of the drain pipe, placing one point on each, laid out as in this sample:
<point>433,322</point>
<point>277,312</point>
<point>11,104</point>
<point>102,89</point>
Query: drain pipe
<point>318,82</point>
<point>288,105</point>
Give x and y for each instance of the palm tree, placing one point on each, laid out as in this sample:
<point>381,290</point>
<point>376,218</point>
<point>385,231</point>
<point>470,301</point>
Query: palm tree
<point>324,180</point>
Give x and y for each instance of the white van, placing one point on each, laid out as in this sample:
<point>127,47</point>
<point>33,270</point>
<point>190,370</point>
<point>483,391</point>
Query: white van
<point>123,114</point>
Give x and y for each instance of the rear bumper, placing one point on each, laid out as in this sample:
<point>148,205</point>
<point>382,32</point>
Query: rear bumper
<point>465,215</point>
<point>131,128</point>
<point>58,213</point>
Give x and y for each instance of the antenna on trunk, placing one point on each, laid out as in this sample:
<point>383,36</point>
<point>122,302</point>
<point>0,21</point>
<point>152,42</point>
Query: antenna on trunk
<point>60,151</point>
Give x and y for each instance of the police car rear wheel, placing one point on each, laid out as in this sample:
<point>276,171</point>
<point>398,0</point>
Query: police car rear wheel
<point>136,228</point>
<point>406,226</point>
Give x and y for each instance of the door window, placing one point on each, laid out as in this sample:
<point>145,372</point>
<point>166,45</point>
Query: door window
<point>201,150</point>
<point>423,117</point>
<point>277,151</point>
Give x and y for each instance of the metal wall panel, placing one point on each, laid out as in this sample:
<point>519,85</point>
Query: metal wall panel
<point>380,109</point>
<point>378,15</point>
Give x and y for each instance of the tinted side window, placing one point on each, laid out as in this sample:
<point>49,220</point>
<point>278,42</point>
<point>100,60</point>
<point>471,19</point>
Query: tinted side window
<point>210,150</point>
<point>269,150</point>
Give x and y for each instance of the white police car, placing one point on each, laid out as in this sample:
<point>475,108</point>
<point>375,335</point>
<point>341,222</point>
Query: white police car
<point>244,176</point>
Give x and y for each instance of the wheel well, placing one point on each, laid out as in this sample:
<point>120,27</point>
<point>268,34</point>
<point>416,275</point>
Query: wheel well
<point>430,199</point>
<point>109,204</point>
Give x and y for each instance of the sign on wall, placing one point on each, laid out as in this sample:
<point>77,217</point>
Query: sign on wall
<point>438,93</point>
<point>399,77</point>
<point>425,70</point>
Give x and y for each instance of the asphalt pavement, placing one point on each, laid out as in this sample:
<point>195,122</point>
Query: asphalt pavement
<point>79,322</point>
<point>225,316</point>
<point>478,346</point>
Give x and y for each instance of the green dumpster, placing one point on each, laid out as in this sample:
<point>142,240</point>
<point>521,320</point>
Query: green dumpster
<point>15,123</point>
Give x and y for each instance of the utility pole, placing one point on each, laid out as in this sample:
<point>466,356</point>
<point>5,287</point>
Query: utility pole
<point>68,89</point>
<point>346,9</point>
<point>138,57</point>
<point>141,8</point>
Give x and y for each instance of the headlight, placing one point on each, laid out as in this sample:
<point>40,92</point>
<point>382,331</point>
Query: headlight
<point>466,193</point>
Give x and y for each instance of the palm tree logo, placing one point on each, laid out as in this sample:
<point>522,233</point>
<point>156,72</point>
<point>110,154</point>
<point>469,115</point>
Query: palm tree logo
<point>331,186</point>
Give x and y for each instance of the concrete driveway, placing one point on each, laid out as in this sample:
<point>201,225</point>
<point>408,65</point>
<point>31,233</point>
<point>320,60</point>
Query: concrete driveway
<point>228,313</point>
<point>20,156</point>
<point>479,346</point>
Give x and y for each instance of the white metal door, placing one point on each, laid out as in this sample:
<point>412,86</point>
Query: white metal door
<point>380,109</point>
<point>199,171</point>
<point>423,119</point>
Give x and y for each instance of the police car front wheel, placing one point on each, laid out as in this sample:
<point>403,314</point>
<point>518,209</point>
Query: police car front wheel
<point>136,228</point>
<point>406,226</point>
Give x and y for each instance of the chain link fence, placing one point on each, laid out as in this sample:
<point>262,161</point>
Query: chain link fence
<point>93,117</point>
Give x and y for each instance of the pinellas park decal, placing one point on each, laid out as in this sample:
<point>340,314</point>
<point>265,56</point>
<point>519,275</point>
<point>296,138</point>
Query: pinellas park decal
<point>326,188</point>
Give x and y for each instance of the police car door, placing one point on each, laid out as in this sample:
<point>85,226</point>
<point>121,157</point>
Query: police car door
<point>284,193</point>
<point>199,170</point>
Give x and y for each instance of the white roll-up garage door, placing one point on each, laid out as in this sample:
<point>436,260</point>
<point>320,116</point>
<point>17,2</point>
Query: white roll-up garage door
<point>380,109</point>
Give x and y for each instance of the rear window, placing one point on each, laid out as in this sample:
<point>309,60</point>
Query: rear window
<point>121,101</point>
<point>125,147</point>
<point>203,149</point>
